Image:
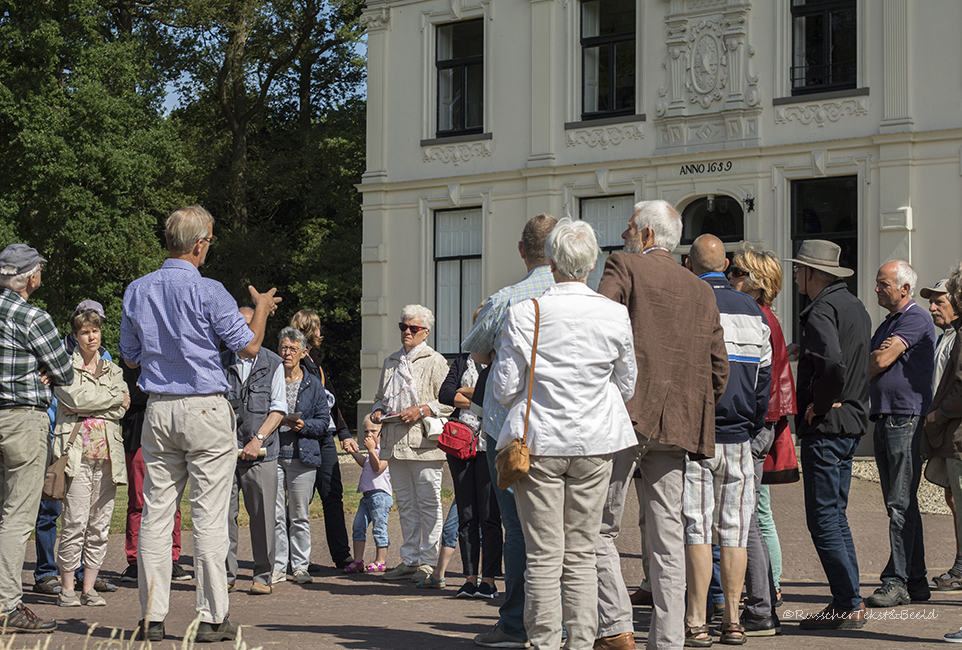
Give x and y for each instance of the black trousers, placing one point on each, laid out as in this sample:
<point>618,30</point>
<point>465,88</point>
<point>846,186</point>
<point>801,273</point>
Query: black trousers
<point>329,488</point>
<point>479,519</point>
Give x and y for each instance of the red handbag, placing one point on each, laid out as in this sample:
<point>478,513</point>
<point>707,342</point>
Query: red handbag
<point>781,464</point>
<point>458,440</point>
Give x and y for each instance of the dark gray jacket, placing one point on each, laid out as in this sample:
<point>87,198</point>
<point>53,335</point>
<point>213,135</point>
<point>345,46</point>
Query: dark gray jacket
<point>252,399</point>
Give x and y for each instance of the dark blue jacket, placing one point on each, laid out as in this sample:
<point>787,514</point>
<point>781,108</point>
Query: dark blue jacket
<point>312,405</point>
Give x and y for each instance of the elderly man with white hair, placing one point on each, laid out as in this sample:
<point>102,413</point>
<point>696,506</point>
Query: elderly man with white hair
<point>900,368</point>
<point>572,405</point>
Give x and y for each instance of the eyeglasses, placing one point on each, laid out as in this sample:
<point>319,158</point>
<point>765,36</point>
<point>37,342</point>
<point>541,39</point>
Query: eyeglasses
<point>290,350</point>
<point>735,272</point>
<point>210,240</point>
<point>414,329</point>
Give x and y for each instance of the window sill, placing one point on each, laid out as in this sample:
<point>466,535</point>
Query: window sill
<point>453,139</point>
<point>603,121</point>
<point>818,97</point>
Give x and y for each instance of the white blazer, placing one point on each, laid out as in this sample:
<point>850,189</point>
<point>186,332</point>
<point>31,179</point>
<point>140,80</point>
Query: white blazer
<point>584,373</point>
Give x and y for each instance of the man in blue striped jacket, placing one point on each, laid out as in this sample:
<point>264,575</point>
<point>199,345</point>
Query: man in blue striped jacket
<point>720,492</point>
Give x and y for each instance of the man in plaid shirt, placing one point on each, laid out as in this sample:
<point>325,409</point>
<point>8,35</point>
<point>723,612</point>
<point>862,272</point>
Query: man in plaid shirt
<point>32,357</point>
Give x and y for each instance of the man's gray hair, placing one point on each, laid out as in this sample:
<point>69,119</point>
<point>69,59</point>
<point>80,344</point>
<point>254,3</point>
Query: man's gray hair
<point>18,283</point>
<point>293,335</point>
<point>663,220</point>
<point>905,275</point>
<point>954,288</point>
<point>185,227</point>
<point>418,312</point>
<point>573,248</point>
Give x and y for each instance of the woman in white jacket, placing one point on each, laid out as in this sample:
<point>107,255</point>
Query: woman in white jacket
<point>93,405</point>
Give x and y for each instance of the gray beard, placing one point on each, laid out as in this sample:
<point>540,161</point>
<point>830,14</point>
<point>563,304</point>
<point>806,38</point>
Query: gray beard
<point>633,246</point>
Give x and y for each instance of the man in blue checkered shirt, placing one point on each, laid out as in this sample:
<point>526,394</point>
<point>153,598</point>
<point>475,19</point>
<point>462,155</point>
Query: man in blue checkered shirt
<point>32,357</point>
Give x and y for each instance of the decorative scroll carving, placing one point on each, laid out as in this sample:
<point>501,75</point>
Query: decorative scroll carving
<point>458,152</point>
<point>703,4</point>
<point>377,19</point>
<point>821,113</point>
<point>606,136</point>
<point>706,63</point>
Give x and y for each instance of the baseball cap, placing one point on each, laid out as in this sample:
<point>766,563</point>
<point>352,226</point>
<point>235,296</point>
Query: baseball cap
<point>19,258</point>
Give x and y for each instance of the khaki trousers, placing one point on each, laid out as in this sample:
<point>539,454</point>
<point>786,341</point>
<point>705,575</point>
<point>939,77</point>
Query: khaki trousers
<point>561,582</point>
<point>87,509</point>
<point>186,437</point>
<point>24,450</point>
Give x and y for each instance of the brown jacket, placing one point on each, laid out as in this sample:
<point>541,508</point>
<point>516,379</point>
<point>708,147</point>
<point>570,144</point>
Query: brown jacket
<point>943,437</point>
<point>679,346</point>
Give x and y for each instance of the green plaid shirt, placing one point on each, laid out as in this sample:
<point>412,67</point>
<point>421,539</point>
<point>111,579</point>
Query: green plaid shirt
<point>29,342</point>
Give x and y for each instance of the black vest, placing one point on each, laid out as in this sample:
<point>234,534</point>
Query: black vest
<point>252,399</point>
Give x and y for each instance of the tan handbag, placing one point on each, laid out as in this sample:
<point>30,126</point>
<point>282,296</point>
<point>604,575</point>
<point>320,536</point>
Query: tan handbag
<point>514,460</point>
<point>55,479</point>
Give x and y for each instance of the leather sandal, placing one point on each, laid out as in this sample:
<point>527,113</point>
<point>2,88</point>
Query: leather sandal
<point>354,567</point>
<point>692,634</point>
<point>951,580</point>
<point>733,634</point>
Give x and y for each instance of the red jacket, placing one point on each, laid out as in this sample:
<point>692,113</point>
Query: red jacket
<point>781,401</point>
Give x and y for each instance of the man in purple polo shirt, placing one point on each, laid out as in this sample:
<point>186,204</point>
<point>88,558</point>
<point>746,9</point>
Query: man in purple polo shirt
<point>900,369</point>
<point>173,323</point>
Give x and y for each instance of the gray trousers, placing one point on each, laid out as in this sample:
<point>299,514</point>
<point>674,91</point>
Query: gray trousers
<point>259,485</point>
<point>614,605</point>
<point>759,585</point>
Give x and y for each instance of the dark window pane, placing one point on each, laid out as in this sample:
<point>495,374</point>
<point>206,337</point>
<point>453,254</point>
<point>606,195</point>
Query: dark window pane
<point>459,40</point>
<point>449,99</point>
<point>624,75</point>
<point>843,47</point>
<point>607,17</point>
<point>474,96</point>
<point>722,216</point>
<point>810,61</point>
<point>827,205</point>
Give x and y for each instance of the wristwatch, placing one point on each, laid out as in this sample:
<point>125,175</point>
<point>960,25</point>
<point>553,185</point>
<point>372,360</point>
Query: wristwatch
<point>259,437</point>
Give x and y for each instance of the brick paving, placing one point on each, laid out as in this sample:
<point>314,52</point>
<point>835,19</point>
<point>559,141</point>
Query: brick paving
<point>339,611</point>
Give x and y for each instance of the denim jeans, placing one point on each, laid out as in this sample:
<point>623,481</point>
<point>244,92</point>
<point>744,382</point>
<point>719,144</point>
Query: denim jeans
<point>827,468</point>
<point>515,558</point>
<point>899,460</point>
<point>449,532</point>
<point>373,509</point>
<point>46,539</point>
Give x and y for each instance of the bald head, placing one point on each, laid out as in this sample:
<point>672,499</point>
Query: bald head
<point>247,313</point>
<point>707,255</point>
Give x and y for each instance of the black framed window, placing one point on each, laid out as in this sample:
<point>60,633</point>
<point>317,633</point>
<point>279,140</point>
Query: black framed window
<point>824,45</point>
<point>607,58</point>
<point>825,208</point>
<point>721,216</point>
<point>460,63</point>
<point>608,215</point>
<point>457,276</point>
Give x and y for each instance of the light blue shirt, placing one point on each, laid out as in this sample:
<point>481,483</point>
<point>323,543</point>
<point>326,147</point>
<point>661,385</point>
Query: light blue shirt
<point>485,336</point>
<point>173,323</point>
<point>278,385</point>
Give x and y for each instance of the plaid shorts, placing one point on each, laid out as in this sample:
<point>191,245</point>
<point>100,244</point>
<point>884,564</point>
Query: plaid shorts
<point>719,496</point>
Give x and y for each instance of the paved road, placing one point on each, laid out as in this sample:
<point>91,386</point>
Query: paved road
<point>362,612</point>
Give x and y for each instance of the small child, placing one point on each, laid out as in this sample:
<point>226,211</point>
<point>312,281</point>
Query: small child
<point>375,484</point>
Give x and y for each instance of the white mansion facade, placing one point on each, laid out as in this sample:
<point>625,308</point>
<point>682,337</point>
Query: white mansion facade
<point>769,121</point>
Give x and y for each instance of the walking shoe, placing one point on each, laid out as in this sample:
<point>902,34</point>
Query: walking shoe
<point>49,585</point>
<point>278,577</point>
<point>149,631</point>
<point>467,590</point>
<point>105,587</point>
<point>400,572</point>
<point>340,564</point>
<point>260,589</point>
<point>231,586</point>
<point>919,590</point>
<point>890,594</point>
<point>422,573</point>
<point>177,572</point>
<point>625,641</point>
<point>302,577</point>
<point>498,638</point>
<point>834,618</point>
<point>314,569</point>
<point>23,620</point>
<point>486,591</point>
<point>212,633</point>
<point>68,598</point>
<point>953,637</point>
<point>92,599</point>
<point>130,573</point>
<point>760,625</point>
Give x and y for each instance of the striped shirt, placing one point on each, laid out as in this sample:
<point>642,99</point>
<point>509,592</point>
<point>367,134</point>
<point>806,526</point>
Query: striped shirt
<point>28,343</point>
<point>485,336</point>
<point>173,323</point>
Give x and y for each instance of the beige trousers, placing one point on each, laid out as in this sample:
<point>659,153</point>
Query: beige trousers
<point>87,509</point>
<point>186,437</point>
<point>562,494</point>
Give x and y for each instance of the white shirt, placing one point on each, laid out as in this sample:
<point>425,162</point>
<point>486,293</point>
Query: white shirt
<point>278,386</point>
<point>584,373</point>
<point>942,351</point>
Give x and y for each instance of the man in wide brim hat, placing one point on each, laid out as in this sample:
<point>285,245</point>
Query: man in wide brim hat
<point>821,255</point>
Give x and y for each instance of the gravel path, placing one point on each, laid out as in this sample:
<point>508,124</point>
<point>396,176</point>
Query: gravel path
<point>931,496</point>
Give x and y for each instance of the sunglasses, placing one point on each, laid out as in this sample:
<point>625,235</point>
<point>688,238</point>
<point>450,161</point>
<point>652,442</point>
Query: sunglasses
<point>735,272</point>
<point>414,329</point>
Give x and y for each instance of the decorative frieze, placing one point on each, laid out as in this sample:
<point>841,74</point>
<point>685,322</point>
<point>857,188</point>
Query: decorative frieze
<point>377,19</point>
<point>458,152</point>
<point>605,136</point>
<point>821,112</point>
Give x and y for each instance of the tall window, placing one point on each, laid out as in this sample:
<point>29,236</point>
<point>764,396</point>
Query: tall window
<point>460,61</point>
<point>826,208</point>
<point>457,272</point>
<point>608,58</point>
<point>824,45</point>
<point>609,217</point>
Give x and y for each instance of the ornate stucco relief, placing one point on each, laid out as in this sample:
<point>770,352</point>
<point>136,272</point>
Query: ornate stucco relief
<point>459,152</point>
<point>822,112</point>
<point>605,136</point>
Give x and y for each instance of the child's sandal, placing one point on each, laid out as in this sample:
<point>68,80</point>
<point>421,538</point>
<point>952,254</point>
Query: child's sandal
<point>375,567</point>
<point>431,583</point>
<point>354,567</point>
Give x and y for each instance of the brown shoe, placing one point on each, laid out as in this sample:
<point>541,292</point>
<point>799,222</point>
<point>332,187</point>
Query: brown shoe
<point>624,641</point>
<point>834,618</point>
<point>642,597</point>
<point>22,619</point>
<point>260,589</point>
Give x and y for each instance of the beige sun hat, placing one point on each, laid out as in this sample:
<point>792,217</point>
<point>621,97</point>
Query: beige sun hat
<point>926,292</point>
<point>822,255</point>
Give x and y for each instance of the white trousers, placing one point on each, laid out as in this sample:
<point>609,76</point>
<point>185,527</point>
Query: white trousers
<point>417,486</point>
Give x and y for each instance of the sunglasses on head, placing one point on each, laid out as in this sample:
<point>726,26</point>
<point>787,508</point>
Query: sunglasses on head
<point>414,329</point>
<point>735,272</point>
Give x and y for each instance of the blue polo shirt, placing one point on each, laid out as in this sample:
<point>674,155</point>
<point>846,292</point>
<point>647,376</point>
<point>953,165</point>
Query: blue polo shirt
<point>905,387</point>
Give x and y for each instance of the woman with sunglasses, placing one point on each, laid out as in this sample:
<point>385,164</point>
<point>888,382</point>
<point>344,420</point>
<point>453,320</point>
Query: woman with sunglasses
<point>759,274</point>
<point>407,394</point>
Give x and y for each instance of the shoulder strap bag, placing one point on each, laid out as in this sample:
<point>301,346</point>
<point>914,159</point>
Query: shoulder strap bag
<point>513,461</point>
<point>55,479</point>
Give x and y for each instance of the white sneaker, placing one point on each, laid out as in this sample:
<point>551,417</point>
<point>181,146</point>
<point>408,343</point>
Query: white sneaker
<point>278,577</point>
<point>302,577</point>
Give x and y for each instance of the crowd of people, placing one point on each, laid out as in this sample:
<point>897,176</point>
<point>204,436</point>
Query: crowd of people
<point>674,377</point>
